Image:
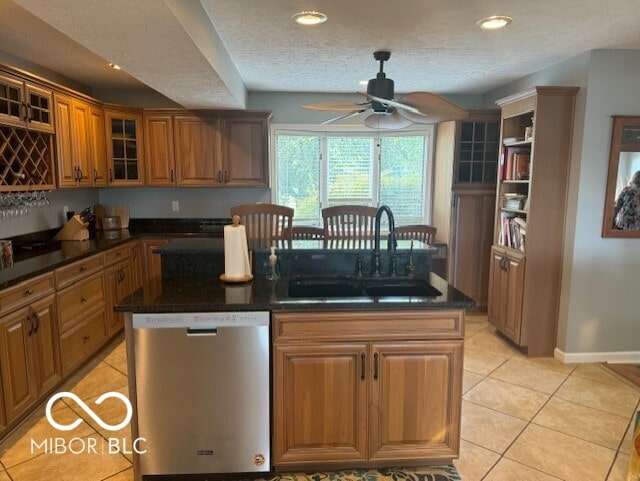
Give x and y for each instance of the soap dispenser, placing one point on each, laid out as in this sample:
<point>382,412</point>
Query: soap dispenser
<point>272,268</point>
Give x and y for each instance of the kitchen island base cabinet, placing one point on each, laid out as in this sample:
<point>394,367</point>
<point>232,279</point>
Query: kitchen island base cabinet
<point>365,389</point>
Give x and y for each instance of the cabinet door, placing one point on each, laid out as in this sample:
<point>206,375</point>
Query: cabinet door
<point>415,400</point>
<point>97,153</point>
<point>80,124</point>
<point>111,282</point>
<point>11,101</point>
<point>67,173</point>
<point>39,103</point>
<point>16,363</point>
<point>246,152</point>
<point>124,147</point>
<point>496,309</point>
<point>472,232</point>
<point>152,261</point>
<point>136,261</point>
<point>45,344</point>
<point>197,152</point>
<point>159,153</point>
<point>320,394</point>
<point>514,280</point>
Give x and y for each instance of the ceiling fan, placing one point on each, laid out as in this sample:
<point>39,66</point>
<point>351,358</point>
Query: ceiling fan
<point>387,113</point>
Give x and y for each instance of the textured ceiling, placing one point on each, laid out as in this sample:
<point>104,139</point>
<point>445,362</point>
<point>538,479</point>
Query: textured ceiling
<point>209,53</point>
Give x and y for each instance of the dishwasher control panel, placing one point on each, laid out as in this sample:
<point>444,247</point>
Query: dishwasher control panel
<point>201,320</point>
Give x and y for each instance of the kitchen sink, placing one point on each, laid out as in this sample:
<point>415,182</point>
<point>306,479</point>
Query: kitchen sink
<point>323,287</point>
<point>328,287</point>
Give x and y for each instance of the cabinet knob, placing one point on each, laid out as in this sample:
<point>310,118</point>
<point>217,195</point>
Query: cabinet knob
<point>28,292</point>
<point>82,268</point>
<point>83,299</point>
<point>85,338</point>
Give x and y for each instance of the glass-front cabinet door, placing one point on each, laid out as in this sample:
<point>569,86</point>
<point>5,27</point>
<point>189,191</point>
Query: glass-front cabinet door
<point>23,104</point>
<point>124,146</point>
<point>477,157</point>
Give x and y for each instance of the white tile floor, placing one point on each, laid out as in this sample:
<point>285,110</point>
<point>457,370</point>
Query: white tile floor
<point>522,420</point>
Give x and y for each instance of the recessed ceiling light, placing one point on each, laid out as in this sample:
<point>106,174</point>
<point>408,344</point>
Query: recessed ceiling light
<point>493,22</point>
<point>114,66</point>
<point>309,18</point>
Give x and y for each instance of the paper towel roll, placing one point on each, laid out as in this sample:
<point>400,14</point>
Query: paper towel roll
<point>236,252</point>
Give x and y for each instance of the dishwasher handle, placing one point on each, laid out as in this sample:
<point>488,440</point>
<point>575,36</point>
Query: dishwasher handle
<point>193,331</point>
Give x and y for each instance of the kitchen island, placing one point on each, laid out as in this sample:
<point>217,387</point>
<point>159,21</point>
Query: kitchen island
<point>355,381</point>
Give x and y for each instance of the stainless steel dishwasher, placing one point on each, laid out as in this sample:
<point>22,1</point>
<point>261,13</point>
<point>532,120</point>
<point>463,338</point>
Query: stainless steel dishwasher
<point>202,382</point>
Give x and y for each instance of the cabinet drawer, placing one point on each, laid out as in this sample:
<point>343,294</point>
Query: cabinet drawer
<point>116,254</point>
<point>76,301</point>
<point>78,270</point>
<point>28,291</point>
<point>83,340</point>
<point>386,325</point>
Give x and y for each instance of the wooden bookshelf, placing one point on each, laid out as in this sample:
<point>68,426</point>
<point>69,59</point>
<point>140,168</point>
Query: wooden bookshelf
<point>526,256</point>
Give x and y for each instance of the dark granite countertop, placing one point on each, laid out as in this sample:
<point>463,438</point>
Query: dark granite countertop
<point>29,262</point>
<point>209,294</point>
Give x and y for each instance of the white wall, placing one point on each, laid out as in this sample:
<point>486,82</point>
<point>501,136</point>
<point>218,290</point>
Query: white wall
<point>600,301</point>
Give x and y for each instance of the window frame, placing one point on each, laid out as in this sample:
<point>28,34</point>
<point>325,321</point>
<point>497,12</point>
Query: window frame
<point>428,131</point>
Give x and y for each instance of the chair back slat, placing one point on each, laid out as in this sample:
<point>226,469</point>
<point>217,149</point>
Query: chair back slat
<point>307,233</point>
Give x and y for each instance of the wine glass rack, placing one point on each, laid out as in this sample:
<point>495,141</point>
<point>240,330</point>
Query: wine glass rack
<point>26,160</point>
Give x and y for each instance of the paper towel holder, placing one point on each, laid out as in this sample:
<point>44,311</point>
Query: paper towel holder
<point>238,280</point>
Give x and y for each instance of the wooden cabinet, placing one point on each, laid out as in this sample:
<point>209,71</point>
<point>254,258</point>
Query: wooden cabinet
<point>159,150</point>
<point>119,281</point>
<point>466,159</point>
<point>210,149</point>
<point>24,104</point>
<point>366,388</point>
<point>82,310</point>
<point>245,151</point>
<point>197,151</point>
<point>526,261</point>
<point>322,402</point>
<point>124,146</point>
<point>29,357</point>
<point>505,294</point>
<point>136,264</point>
<point>152,266</point>
<point>81,158</point>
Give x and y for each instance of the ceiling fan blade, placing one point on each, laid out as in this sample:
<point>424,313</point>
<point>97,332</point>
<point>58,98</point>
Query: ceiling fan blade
<point>387,121</point>
<point>335,106</point>
<point>390,103</point>
<point>348,115</point>
<point>431,108</point>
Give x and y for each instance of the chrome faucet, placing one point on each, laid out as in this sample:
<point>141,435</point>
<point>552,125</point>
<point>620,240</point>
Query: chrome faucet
<point>391,246</point>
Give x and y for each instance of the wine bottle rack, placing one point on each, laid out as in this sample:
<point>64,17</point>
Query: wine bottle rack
<point>26,160</point>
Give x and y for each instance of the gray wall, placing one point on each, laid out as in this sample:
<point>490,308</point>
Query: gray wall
<point>600,305</point>
<point>155,202</point>
<point>51,216</point>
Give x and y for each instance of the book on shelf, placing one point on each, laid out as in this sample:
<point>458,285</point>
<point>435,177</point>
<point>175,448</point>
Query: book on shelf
<point>514,163</point>
<point>513,231</point>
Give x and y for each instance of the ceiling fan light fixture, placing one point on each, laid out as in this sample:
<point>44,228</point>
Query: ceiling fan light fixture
<point>494,22</point>
<point>309,18</point>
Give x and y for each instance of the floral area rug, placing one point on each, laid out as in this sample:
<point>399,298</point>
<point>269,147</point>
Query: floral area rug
<point>430,473</point>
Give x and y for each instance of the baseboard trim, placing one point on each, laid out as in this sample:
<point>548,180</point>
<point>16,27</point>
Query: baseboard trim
<point>624,357</point>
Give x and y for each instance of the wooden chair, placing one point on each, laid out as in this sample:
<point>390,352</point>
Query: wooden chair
<point>307,233</point>
<point>421,232</point>
<point>354,222</point>
<point>265,222</point>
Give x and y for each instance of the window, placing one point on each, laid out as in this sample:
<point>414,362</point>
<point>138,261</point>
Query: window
<point>314,170</point>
